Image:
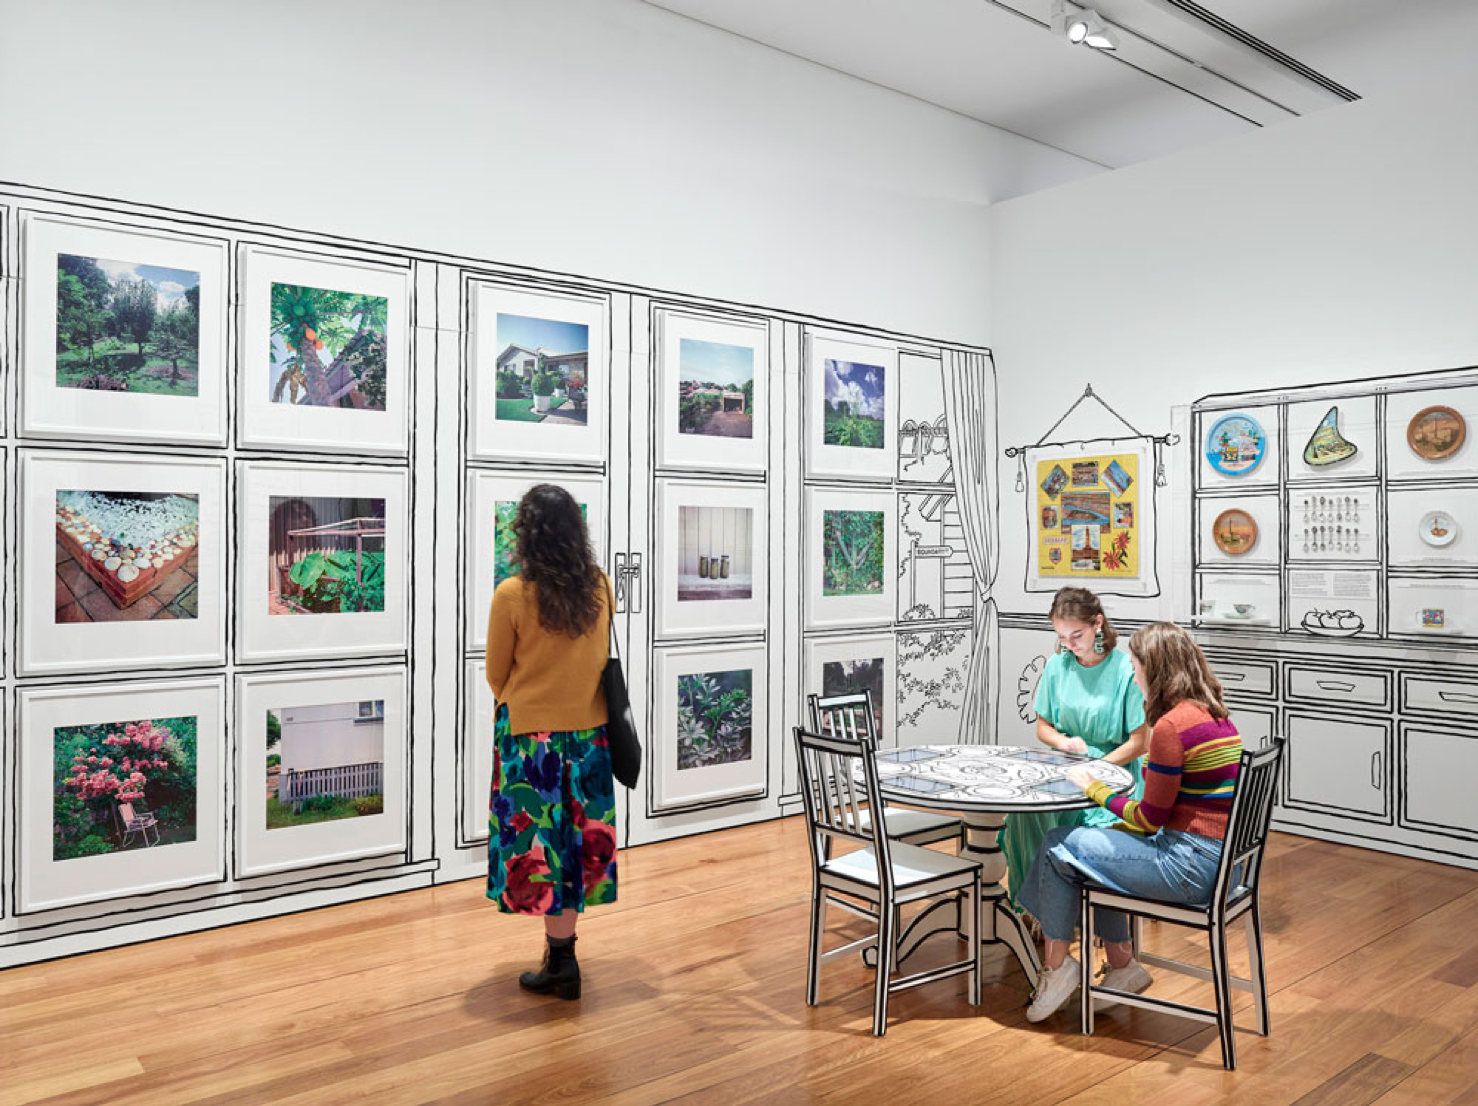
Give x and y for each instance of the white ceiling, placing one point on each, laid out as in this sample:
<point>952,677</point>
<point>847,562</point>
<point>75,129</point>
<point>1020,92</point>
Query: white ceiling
<point>1174,82</point>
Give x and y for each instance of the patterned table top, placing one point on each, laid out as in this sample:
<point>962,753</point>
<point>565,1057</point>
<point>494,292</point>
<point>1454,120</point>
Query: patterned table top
<point>989,778</point>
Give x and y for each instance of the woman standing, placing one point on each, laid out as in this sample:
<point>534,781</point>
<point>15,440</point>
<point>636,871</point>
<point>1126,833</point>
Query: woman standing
<point>1165,846</point>
<point>552,846</point>
<point>1087,702</point>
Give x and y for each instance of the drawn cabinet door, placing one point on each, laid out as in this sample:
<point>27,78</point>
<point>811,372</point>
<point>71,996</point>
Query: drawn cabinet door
<point>1434,761</point>
<point>1338,766</point>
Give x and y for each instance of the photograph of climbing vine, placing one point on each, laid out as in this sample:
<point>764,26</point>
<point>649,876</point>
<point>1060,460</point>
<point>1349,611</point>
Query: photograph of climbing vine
<point>328,348</point>
<point>852,552</point>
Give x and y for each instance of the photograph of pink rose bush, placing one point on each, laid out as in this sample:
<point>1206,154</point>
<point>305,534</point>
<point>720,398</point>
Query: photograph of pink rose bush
<point>123,785</point>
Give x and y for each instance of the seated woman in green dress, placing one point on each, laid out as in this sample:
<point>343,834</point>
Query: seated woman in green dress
<point>1087,702</point>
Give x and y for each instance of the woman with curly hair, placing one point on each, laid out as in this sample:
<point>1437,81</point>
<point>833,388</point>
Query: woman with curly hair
<point>552,846</point>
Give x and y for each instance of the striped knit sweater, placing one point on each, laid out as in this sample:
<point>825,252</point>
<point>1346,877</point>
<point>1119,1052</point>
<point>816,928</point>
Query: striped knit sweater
<point>1189,776</point>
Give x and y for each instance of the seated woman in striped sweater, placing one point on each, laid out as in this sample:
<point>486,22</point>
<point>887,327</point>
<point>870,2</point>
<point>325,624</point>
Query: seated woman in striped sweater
<point>1167,845</point>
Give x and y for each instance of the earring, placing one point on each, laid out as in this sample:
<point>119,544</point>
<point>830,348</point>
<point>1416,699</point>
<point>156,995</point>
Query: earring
<point>1098,642</point>
<point>1057,648</point>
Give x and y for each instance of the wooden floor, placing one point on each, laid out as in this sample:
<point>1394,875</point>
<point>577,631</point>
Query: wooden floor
<point>694,993</point>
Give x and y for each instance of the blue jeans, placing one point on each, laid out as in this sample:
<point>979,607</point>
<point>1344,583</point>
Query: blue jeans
<point>1172,865</point>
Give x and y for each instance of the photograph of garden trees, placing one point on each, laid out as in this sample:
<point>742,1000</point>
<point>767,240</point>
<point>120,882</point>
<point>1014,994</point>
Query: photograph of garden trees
<point>715,389</point>
<point>123,785</point>
<point>542,370</point>
<point>125,327</point>
<point>852,552</point>
<point>854,404</point>
<point>715,718</point>
<point>325,762</point>
<point>328,348</point>
<point>853,677</point>
<point>327,555</point>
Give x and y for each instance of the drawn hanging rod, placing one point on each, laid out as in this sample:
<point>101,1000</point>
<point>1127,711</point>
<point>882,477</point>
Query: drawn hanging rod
<point>1088,393</point>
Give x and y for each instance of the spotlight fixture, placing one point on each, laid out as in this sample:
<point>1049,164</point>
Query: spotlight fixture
<point>1082,27</point>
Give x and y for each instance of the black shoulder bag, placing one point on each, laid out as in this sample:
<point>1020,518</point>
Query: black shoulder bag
<point>620,728</point>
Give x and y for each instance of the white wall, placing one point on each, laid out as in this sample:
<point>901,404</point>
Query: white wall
<point>602,137</point>
<point>1339,246</point>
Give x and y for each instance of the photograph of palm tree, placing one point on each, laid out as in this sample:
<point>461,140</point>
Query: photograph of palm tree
<point>328,348</point>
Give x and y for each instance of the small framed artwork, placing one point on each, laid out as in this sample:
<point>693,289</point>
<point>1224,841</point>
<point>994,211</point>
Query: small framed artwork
<point>323,570</point>
<point>324,350</point>
<point>493,504</point>
<point>852,408</point>
<point>125,333</point>
<point>476,754</point>
<point>134,548</point>
<point>850,558</point>
<point>710,745</point>
<point>714,563</point>
<point>321,767</point>
<point>540,374</point>
<point>850,665</point>
<point>121,788</point>
<point>714,375</point>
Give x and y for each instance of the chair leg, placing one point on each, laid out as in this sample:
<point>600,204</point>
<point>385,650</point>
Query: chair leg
<point>813,949</point>
<point>1258,973</point>
<point>1136,935</point>
<point>972,934</point>
<point>1221,978</point>
<point>887,953</point>
<point>1085,969</point>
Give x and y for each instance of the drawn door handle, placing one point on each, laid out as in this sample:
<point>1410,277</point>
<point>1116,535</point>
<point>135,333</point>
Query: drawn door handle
<point>1334,685</point>
<point>1456,697</point>
<point>1375,770</point>
<point>1233,677</point>
<point>627,583</point>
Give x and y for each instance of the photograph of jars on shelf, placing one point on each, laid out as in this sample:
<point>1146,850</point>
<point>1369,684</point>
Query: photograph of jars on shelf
<point>1333,524</point>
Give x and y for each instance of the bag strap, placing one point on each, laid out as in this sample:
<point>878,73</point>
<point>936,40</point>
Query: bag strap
<point>611,618</point>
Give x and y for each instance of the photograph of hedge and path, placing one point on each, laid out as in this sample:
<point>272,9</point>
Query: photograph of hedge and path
<point>325,762</point>
<point>543,370</point>
<point>715,389</point>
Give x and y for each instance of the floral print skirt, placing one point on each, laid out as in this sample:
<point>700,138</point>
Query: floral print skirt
<point>552,843</point>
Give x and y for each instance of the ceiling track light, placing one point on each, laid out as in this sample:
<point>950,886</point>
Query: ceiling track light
<point>1082,27</point>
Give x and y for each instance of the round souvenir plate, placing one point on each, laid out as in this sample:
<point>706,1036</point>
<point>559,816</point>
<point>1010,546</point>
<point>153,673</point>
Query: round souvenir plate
<point>1437,528</point>
<point>1436,433</point>
<point>1235,444</point>
<point>1235,532</point>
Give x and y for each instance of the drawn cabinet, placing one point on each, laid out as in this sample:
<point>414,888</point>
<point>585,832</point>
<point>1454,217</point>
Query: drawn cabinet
<point>1339,765</point>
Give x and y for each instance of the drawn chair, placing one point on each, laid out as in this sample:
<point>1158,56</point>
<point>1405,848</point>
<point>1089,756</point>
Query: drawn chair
<point>137,824</point>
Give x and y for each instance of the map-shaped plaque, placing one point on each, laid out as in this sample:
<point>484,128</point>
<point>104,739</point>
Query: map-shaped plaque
<point>1327,446</point>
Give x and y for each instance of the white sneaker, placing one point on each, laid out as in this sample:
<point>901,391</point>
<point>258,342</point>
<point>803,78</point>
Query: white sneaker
<point>1132,977</point>
<point>1054,988</point>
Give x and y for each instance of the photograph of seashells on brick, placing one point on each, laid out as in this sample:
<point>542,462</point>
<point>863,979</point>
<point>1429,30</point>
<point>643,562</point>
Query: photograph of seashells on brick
<point>126,556</point>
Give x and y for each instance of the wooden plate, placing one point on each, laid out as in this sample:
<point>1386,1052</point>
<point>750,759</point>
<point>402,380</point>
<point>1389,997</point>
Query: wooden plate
<point>1235,532</point>
<point>1436,433</point>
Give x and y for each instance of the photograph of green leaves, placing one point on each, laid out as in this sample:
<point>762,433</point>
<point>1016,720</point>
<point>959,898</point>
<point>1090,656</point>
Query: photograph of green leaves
<point>327,555</point>
<point>715,718</point>
<point>852,552</point>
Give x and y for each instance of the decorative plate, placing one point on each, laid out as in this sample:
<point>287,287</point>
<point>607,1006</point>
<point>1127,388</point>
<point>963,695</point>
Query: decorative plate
<point>1436,433</point>
<point>1235,532</point>
<point>1437,528</point>
<point>1235,444</point>
<point>1326,445</point>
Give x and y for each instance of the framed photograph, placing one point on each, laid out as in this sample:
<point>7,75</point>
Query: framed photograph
<point>324,354</point>
<point>851,408</point>
<point>492,505</point>
<point>132,551</point>
<point>850,557</point>
<point>475,758</point>
<point>540,374</point>
<point>714,558</point>
<point>321,769</point>
<point>323,561</point>
<point>849,665</point>
<point>125,333</point>
<point>121,789</point>
<point>710,744</point>
<point>713,392</point>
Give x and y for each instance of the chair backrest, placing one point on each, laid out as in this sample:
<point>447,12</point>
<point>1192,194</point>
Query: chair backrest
<point>850,715</point>
<point>1249,822</point>
<point>834,800</point>
<point>125,811</point>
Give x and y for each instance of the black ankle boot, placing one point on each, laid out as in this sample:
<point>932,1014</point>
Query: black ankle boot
<point>559,974</point>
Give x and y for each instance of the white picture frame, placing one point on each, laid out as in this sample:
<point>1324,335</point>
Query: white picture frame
<point>855,608</point>
<point>710,348</point>
<point>346,734</point>
<point>821,652</point>
<point>264,636</point>
<point>139,253</point>
<point>479,706</point>
<point>858,367</point>
<point>484,491</point>
<point>675,786</point>
<point>46,883</point>
<point>563,314</point>
<point>703,519</point>
<point>269,424</point>
<point>101,630</point>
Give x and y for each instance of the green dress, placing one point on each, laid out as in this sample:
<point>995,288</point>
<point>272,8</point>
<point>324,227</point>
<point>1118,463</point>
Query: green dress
<point>1102,705</point>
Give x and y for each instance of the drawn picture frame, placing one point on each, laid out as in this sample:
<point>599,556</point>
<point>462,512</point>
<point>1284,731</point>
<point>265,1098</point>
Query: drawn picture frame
<point>47,716</point>
<point>475,756</point>
<point>98,621</point>
<point>827,663</point>
<point>681,778</point>
<point>122,397</point>
<point>723,523</point>
<point>843,377</point>
<point>867,596</point>
<point>326,741</point>
<point>378,420</point>
<point>702,355</point>
<point>485,546</point>
<point>502,432</point>
<point>271,535</point>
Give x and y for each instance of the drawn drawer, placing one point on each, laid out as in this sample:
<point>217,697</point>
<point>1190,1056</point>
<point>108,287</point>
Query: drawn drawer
<point>1439,695</point>
<point>1334,685</point>
<point>1245,677</point>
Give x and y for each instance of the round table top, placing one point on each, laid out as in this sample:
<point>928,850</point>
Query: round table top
<point>989,778</point>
